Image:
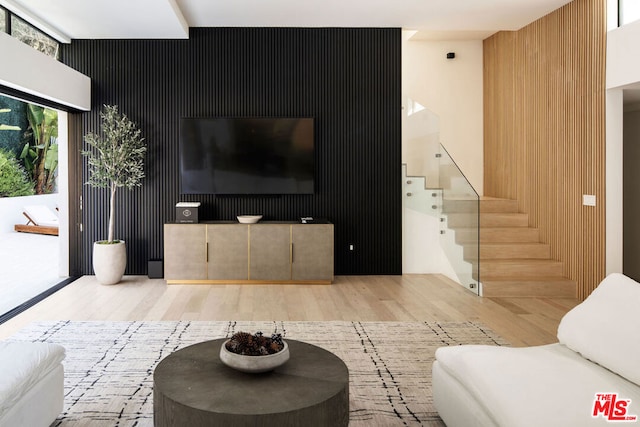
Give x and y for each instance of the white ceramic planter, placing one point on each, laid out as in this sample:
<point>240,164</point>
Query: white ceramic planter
<point>254,364</point>
<point>109,262</point>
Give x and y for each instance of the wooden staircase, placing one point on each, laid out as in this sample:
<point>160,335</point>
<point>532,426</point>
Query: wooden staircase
<point>513,261</point>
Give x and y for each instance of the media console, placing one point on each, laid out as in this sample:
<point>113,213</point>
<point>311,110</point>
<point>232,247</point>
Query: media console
<point>266,252</point>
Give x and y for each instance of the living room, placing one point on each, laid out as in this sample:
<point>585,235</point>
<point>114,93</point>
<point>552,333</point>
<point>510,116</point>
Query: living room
<point>351,80</point>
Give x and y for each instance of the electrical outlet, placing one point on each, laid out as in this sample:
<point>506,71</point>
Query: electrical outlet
<point>588,199</point>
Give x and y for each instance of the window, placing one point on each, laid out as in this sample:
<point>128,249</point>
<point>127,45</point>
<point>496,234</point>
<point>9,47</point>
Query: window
<point>629,11</point>
<point>33,37</point>
<point>28,148</point>
<point>3,20</point>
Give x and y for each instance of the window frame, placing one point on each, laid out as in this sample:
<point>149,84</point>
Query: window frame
<point>8,17</point>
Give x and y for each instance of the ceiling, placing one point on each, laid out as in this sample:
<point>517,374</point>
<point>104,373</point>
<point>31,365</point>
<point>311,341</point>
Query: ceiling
<point>169,19</point>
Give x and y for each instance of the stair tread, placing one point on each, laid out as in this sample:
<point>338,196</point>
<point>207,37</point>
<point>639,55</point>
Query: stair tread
<point>514,245</point>
<point>521,267</point>
<point>507,228</point>
<point>495,205</point>
<point>508,250</point>
<point>488,278</point>
<point>516,260</point>
<point>515,235</point>
<point>514,229</point>
<point>519,261</point>
<point>504,214</point>
<point>509,219</point>
<point>528,287</point>
<point>504,219</point>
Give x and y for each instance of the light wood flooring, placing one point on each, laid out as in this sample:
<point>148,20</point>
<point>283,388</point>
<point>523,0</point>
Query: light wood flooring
<point>521,321</point>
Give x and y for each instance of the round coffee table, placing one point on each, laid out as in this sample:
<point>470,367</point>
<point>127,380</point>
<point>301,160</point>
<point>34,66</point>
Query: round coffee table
<point>192,387</point>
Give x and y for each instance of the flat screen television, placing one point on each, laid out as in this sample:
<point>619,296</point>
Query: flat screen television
<point>247,155</point>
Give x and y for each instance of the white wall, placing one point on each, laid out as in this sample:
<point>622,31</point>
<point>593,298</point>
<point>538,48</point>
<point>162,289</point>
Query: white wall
<point>613,181</point>
<point>623,71</point>
<point>631,192</point>
<point>452,89</point>
<point>623,56</point>
<point>422,253</point>
<point>25,69</point>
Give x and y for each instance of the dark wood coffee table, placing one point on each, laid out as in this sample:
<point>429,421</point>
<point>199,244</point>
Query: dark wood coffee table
<point>192,387</point>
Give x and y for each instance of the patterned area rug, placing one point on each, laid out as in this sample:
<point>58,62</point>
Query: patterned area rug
<point>109,365</point>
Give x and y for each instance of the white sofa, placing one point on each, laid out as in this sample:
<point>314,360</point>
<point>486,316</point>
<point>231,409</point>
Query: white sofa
<point>590,377</point>
<point>31,383</point>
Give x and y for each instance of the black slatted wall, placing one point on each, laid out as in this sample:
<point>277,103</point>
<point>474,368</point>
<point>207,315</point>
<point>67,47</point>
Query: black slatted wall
<point>347,79</point>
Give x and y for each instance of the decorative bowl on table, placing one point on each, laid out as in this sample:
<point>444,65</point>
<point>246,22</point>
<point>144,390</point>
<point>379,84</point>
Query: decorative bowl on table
<point>249,219</point>
<point>257,357</point>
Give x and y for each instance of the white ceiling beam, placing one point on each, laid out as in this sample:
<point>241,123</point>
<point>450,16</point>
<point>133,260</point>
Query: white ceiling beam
<point>36,21</point>
<point>183,22</point>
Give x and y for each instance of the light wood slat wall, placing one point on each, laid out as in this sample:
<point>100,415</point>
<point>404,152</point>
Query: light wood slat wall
<point>544,135</point>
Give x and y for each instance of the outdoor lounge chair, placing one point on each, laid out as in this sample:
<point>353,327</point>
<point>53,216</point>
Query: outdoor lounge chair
<point>40,220</point>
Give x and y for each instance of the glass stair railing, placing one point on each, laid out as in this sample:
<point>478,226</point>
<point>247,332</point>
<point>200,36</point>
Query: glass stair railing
<point>434,185</point>
<point>419,197</point>
<point>460,231</point>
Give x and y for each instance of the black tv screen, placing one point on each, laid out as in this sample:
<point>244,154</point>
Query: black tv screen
<point>247,155</point>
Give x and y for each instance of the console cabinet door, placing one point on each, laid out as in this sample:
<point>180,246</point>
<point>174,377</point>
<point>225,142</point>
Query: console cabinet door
<point>228,251</point>
<point>312,252</point>
<point>185,251</point>
<point>270,252</point>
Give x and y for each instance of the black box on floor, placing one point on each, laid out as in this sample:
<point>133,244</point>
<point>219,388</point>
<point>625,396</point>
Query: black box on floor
<point>156,270</point>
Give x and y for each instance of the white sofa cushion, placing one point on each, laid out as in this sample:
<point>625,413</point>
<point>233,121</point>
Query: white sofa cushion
<point>42,215</point>
<point>533,386</point>
<point>22,366</point>
<point>604,328</point>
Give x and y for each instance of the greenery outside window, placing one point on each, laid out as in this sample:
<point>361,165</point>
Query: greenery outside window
<point>3,20</point>
<point>28,148</point>
<point>34,37</point>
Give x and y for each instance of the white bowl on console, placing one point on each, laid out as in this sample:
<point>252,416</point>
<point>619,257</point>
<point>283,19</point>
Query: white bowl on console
<point>249,219</point>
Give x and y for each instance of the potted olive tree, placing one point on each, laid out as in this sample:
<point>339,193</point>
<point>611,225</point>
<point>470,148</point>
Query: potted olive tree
<point>116,159</point>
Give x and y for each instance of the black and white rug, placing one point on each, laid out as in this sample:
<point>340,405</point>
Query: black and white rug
<point>109,365</point>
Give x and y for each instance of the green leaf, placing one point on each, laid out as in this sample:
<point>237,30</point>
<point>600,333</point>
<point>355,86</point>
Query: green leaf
<point>51,159</point>
<point>13,179</point>
<point>35,114</point>
<point>25,151</point>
